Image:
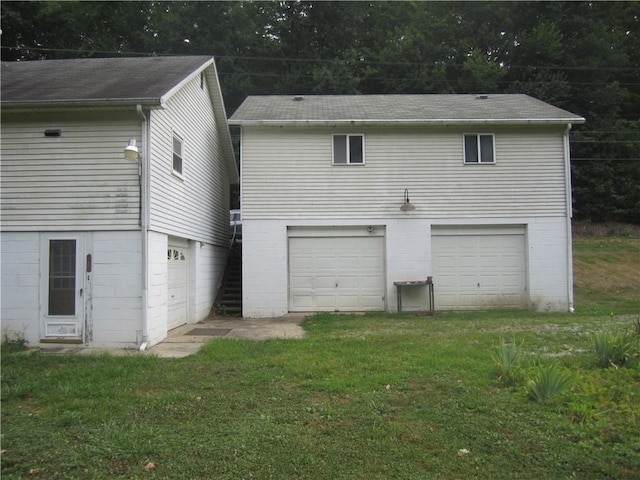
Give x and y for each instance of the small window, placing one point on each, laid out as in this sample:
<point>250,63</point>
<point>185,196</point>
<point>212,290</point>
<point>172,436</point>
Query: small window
<point>348,149</point>
<point>177,154</point>
<point>479,148</point>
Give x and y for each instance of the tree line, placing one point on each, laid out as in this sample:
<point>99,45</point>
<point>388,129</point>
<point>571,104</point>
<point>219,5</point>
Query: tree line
<point>581,56</point>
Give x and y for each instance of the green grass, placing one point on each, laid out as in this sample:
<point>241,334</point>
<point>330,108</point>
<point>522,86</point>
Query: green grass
<point>361,397</point>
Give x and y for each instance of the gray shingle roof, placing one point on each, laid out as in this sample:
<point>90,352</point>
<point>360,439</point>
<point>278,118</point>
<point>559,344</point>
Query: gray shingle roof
<point>515,108</point>
<point>95,79</point>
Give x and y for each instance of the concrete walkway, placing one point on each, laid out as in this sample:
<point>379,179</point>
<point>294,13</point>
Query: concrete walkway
<point>187,339</point>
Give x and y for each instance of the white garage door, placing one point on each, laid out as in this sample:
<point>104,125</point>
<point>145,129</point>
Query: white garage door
<point>336,273</point>
<point>476,269</point>
<point>177,284</point>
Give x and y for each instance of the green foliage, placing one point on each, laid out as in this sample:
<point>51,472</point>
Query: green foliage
<point>510,359</point>
<point>548,382</point>
<point>614,348</point>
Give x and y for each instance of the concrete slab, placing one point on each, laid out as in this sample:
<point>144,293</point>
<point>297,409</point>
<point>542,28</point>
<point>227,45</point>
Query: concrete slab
<point>179,343</point>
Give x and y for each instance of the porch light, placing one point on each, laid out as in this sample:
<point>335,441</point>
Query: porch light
<point>131,151</point>
<point>406,205</point>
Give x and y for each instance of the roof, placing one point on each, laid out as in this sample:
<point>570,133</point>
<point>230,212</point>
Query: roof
<point>129,80</point>
<point>112,83</point>
<point>407,109</point>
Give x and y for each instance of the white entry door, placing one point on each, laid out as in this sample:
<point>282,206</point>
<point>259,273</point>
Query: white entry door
<point>63,288</point>
<point>177,263</point>
<point>481,268</point>
<point>340,273</point>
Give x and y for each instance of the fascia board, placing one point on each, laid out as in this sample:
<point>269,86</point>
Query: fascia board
<point>96,104</point>
<point>443,121</point>
<point>184,81</point>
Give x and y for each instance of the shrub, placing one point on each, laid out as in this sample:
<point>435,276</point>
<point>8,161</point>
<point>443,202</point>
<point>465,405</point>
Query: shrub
<point>548,382</point>
<point>613,348</point>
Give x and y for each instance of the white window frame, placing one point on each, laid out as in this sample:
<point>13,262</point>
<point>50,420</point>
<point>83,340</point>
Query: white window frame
<point>178,173</point>
<point>479,148</point>
<point>348,147</point>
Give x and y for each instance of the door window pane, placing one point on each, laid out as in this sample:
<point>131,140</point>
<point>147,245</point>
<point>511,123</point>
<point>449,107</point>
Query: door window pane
<point>62,277</point>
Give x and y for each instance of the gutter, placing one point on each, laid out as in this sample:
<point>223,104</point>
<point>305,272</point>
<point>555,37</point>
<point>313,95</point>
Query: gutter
<point>569,207</point>
<point>144,222</point>
<point>408,122</point>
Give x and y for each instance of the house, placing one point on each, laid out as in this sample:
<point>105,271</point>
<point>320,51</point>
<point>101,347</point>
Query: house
<point>343,196</point>
<point>100,248</point>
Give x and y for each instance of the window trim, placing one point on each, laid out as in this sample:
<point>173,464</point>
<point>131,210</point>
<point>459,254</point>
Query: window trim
<point>348,147</point>
<point>180,173</point>
<point>479,147</point>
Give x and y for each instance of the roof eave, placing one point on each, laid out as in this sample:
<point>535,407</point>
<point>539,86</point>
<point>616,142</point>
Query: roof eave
<point>104,103</point>
<point>443,121</point>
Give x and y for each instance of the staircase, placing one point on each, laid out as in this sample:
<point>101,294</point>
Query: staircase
<point>229,299</point>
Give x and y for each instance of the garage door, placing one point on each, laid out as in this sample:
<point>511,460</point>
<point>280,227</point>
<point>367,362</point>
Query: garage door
<point>336,273</point>
<point>177,284</point>
<point>479,268</point>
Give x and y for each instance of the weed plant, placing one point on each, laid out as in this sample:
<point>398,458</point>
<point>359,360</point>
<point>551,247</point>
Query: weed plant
<point>548,382</point>
<point>510,360</point>
<point>614,348</point>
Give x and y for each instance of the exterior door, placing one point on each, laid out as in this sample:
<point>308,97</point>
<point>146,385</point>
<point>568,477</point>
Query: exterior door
<point>479,269</point>
<point>343,273</point>
<point>63,289</point>
<point>177,258</point>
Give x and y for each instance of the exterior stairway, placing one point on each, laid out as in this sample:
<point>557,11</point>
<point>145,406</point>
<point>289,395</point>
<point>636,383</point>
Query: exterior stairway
<point>229,298</point>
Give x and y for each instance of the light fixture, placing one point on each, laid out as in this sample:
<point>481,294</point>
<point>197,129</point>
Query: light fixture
<point>406,205</point>
<point>131,151</point>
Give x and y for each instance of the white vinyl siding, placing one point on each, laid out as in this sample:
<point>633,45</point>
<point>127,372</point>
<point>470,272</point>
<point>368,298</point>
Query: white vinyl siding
<point>196,205</point>
<point>287,174</point>
<point>78,180</point>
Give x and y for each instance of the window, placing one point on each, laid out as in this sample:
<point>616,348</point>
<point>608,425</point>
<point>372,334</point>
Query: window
<point>62,277</point>
<point>348,149</point>
<point>478,148</point>
<point>177,154</point>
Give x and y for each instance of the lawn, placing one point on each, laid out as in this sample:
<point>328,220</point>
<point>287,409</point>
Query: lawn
<point>361,397</point>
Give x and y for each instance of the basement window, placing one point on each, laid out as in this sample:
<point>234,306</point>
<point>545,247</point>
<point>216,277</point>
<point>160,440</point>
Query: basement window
<point>348,149</point>
<point>479,148</point>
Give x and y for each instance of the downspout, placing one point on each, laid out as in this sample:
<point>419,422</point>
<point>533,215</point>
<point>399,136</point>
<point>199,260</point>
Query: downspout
<point>569,207</point>
<point>144,222</point>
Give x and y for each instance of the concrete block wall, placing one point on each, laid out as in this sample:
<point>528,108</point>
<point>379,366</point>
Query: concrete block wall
<point>548,264</point>
<point>19,286</point>
<point>206,268</point>
<point>157,277</point>
<point>408,257</point>
<point>116,310</point>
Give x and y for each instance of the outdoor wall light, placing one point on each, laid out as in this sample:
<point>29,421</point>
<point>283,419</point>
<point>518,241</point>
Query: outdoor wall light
<point>131,151</point>
<point>406,205</point>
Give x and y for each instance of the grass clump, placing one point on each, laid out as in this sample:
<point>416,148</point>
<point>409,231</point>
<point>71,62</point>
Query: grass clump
<point>510,359</point>
<point>548,382</point>
<point>614,348</point>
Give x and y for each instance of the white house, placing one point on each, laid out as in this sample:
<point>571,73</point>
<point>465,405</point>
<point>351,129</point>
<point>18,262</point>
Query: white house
<point>96,248</point>
<point>342,196</point>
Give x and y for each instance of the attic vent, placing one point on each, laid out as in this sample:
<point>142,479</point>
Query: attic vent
<point>53,132</point>
<point>482,96</point>
<point>298,98</point>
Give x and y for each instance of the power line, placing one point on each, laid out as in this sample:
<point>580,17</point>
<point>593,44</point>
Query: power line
<point>354,61</point>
